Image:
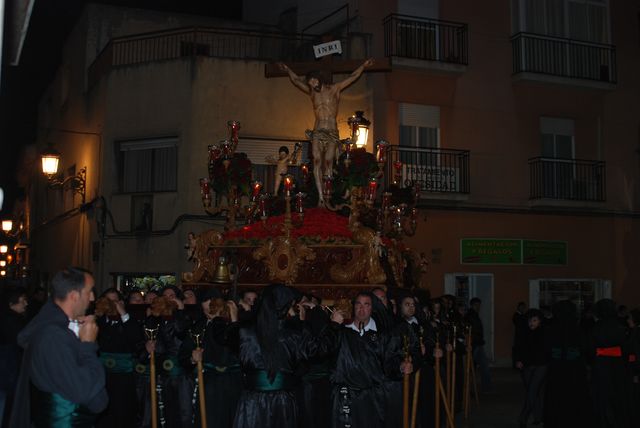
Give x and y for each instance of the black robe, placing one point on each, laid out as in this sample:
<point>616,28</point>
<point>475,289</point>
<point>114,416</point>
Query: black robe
<point>609,375</point>
<point>11,324</point>
<point>56,361</point>
<point>174,384</point>
<point>364,366</point>
<point>272,404</point>
<point>119,343</point>
<point>221,370</point>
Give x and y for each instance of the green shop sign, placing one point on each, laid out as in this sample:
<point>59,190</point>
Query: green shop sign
<point>544,252</point>
<point>491,251</point>
<point>512,252</point>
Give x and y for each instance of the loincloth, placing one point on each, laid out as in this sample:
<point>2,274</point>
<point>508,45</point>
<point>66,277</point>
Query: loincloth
<point>325,138</point>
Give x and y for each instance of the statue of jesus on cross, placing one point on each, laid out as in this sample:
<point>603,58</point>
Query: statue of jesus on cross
<point>325,97</point>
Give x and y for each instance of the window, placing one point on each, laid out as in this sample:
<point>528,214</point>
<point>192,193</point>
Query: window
<point>586,20</point>
<point>419,128</point>
<point>558,170</point>
<point>148,165</point>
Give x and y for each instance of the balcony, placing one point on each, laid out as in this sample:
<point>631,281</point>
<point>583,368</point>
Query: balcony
<point>563,61</point>
<point>226,43</point>
<point>567,179</point>
<point>424,43</point>
<point>443,172</point>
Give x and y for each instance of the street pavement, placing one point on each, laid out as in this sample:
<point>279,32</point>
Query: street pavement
<point>500,407</point>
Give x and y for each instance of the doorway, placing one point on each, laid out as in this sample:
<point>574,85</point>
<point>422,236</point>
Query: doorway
<point>466,286</point>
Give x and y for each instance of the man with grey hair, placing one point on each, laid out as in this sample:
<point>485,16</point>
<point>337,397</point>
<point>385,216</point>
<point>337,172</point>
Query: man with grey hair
<point>62,381</point>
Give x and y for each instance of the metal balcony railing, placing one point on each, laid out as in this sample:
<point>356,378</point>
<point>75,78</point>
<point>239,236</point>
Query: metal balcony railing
<point>425,39</point>
<point>568,179</point>
<point>434,170</point>
<point>219,43</point>
<point>555,56</point>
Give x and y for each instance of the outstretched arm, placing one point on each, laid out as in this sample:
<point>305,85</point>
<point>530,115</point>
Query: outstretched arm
<point>355,75</point>
<point>298,81</point>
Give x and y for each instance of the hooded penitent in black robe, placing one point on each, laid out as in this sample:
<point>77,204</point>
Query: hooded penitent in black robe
<point>609,370</point>
<point>270,354</point>
<point>221,370</point>
<point>120,342</point>
<point>174,384</point>
<point>60,375</point>
<point>365,364</point>
<point>567,401</point>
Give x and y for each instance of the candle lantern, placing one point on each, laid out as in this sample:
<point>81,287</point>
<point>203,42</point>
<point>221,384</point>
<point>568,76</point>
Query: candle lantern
<point>386,200</point>
<point>263,207</point>
<point>373,186</point>
<point>205,191</point>
<point>234,129</point>
<point>381,151</point>
<point>257,186</point>
<point>397,168</point>
<point>359,129</point>
<point>299,206</point>
<point>288,184</point>
<point>305,171</point>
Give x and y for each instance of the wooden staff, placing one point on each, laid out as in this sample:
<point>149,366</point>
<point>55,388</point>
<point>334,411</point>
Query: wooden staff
<point>416,387</point>
<point>405,387</point>
<point>441,390</point>
<point>475,384</point>
<point>453,373</point>
<point>201,395</point>
<point>437,395</point>
<point>467,373</point>
<point>151,335</point>
<point>448,386</point>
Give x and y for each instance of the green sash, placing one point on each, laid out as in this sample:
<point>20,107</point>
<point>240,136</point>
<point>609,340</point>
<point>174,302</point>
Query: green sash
<point>259,381</point>
<point>117,362</point>
<point>51,410</point>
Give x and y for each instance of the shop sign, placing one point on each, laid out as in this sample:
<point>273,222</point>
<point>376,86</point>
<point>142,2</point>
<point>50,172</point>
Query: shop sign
<point>513,252</point>
<point>491,251</point>
<point>544,252</point>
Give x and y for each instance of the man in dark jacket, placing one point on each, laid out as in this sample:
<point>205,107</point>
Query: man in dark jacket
<point>477,342</point>
<point>62,381</point>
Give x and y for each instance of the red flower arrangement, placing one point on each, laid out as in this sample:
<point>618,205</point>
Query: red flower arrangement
<point>238,173</point>
<point>319,224</point>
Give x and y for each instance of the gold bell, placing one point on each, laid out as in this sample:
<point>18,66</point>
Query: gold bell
<point>221,275</point>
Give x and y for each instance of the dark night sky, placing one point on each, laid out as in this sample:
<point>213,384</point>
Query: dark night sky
<point>22,85</point>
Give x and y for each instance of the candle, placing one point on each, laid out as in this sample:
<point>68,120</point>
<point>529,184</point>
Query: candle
<point>299,206</point>
<point>305,171</point>
<point>205,190</point>
<point>386,200</point>
<point>381,152</point>
<point>373,186</point>
<point>234,128</point>
<point>257,186</point>
<point>288,184</point>
<point>263,207</point>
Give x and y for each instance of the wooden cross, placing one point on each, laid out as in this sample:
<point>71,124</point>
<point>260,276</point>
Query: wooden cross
<point>327,65</point>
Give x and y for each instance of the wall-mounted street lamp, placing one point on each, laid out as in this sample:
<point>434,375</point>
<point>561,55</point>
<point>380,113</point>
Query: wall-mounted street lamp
<point>3,263</point>
<point>359,126</point>
<point>7,226</point>
<point>77,183</point>
<point>3,249</point>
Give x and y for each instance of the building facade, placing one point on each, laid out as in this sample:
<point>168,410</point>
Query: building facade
<point>519,120</point>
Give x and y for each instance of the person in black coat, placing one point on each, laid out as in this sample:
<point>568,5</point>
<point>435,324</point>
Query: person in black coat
<point>120,339</point>
<point>221,365</point>
<point>609,369</point>
<point>531,359</point>
<point>12,320</point>
<point>567,401</point>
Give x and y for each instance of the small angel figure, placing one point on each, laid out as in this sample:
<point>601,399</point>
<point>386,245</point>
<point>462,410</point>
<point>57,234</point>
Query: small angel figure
<point>282,163</point>
<point>190,246</point>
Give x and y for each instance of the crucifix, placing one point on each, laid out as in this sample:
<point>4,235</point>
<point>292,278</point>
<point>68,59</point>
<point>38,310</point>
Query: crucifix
<point>316,80</point>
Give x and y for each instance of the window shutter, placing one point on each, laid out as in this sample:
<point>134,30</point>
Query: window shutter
<point>419,115</point>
